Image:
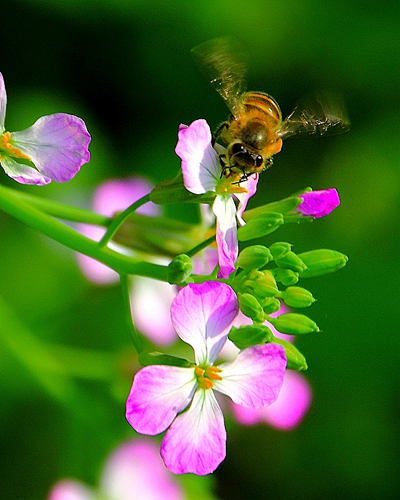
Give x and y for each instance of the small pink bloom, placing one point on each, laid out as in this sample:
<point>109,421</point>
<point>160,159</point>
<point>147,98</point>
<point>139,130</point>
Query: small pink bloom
<point>134,471</point>
<point>57,145</point>
<point>202,173</point>
<point>318,203</point>
<point>202,315</point>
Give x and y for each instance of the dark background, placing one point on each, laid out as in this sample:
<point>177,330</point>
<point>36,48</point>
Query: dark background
<point>125,68</point>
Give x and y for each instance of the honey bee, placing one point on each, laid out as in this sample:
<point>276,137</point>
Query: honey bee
<point>255,130</point>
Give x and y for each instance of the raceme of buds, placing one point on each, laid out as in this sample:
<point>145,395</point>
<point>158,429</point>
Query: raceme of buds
<point>295,296</point>
<point>265,285</point>
<point>179,269</point>
<point>323,261</point>
<point>254,257</point>
<point>249,335</point>
<point>295,360</point>
<point>250,307</point>
<point>293,324</point>
<point>260,225</point>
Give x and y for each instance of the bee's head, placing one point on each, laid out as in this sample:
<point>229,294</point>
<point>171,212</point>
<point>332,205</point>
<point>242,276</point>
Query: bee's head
<point>242,157</point>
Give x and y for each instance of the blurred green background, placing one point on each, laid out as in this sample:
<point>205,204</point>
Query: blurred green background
<point>125,68</point>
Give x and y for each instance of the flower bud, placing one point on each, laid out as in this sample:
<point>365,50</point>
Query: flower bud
<point>249,335</point>
<point>318,203</point>
<point>291,261</point>
<point>179,269</point>
<point>285,206</point>
<point>295,296</point>
<point>279,249</point>
<point>159,358</point>
<point>265,285</point>
<point>293,324</point>
<point>250,307</point>
<point>254,257</point>
<point>285,276</point>
<point>322,261</point>
<point>271,305</point>
<point>260,225</point>
<point>295,360</point>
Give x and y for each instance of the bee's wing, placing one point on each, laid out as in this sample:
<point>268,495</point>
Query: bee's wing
<point>223,62</point>
<point>319,114</point>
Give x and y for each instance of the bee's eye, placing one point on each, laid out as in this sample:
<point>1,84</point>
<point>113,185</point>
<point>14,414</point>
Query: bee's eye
<point>259,160</point>
<point>238,148</point>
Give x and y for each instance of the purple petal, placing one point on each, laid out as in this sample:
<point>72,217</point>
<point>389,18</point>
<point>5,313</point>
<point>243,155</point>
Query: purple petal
<point>251,186</point>
<point>318,203</point>
<point>22,173</point>
<point>200,167</point>
<point>255,378</point>
<point>57,145</point>
<point>68,489</point>
<point>195,442</point>
<point>3,103</point>
<point>158,393</point>
<point>134,467</point>
<point>226,234</point>
<point>287,412</point>
<point>202,315</point>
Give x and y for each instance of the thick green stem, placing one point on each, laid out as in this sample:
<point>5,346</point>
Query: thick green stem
<point>128,314</point>
<point>54,229</point>
<point>116,223</point>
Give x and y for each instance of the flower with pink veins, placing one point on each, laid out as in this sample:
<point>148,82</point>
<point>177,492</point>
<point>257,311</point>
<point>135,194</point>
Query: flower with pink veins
<point>202,173</point>
<point>134,471</point>
<point>57,145</point>
<point>318,203</point>
<point>180,399</point>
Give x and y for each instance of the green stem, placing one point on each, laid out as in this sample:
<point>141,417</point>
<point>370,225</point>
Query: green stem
<point>63,211</point>
<point>128,314</point>
<point>116,223</point>
<point>54,229</point>
<point>200,247</point>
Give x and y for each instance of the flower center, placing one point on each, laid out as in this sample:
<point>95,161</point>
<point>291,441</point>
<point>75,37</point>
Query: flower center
<point>8,149</point>
<point>205,376</point>
<point>229,182</point>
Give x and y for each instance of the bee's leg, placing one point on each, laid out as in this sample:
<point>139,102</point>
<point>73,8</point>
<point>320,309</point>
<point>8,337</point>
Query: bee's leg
<point>217,133</point>
<point>222,160</point>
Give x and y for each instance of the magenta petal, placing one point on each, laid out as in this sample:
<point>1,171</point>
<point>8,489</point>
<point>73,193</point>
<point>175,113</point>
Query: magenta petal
<point>200,167</point>
<point>195,442</point>
<point>251,186</point>
<point>135,471</point>
<point>3,103</point>
<point>226,234</point>
<point>255,378</point>
<point>57,145</point>
<point>318,203</point>
<point>202,315</point>
<point>158,393</point>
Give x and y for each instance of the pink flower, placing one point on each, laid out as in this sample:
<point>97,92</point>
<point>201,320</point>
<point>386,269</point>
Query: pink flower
<point>133,471</point>
<point>202,315</point>
<point>318,203</point>
<point>201,173</point>
<point>57,145</point>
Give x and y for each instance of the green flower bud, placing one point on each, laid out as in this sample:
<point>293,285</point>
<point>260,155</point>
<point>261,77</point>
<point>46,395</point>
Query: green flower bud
<point>265,285</point>
<point>254,257</point>
<point>249,335</point>
<point>260,225</point>
<point>293,323</point>
<point>323,261</point>
<point>279,249</point>
<point>295,360</point>
<point>291,261</point>
<point>284,206</point>
<point>250,307</point>
<point>158,358</point>
<point>285,276</point>
<point>295,296</point>
<point>271,305</point>
<point>179,269</point>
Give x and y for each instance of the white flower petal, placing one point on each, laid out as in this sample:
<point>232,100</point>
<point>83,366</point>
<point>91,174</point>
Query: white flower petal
<point>225,211</point>
<point>22,173</point>
<point>3,103</point>
<point>195,442</point>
